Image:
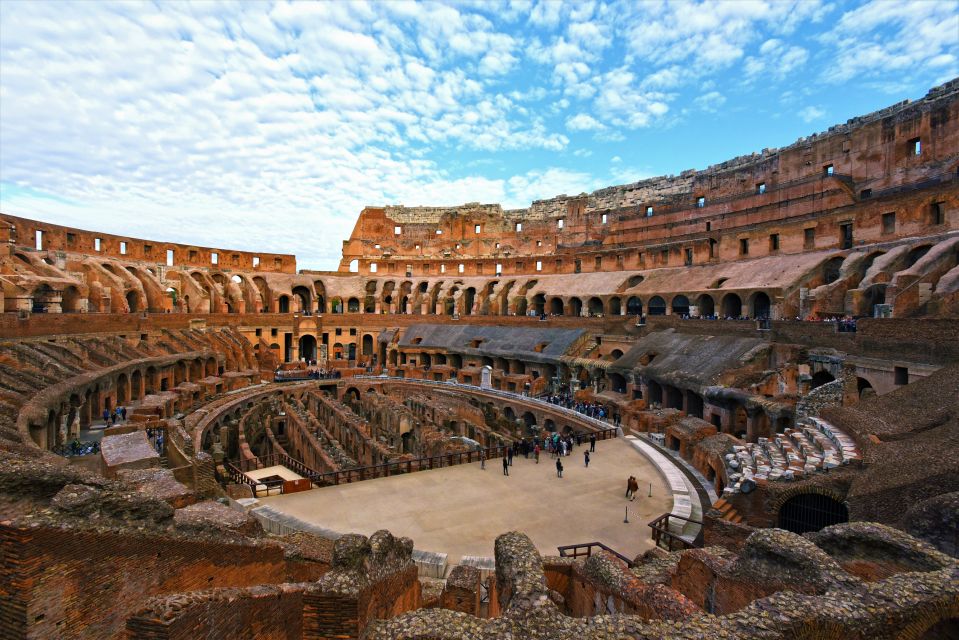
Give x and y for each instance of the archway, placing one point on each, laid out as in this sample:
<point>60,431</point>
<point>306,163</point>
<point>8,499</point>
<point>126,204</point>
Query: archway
<point>307,347</point>
<point>132,301</point>
<point>732,306</point>
<point>70,302</point>
<point>820,378</point>
<point>656,306</point>
<point>760,305</point>
<point>575,307</point>
<point>367,345</point>
<point>634,306</point>
<point>595,306</point>
<point>618,382</point>
<point>811,512</point>
<point>123,389</point>
<point>352,305</point>
<point>539,304</point>
<point>680,305</point>
<point>864,388</point>
<point>303,299</point>
<point>469,297</point>
<point>706,305</point>
<point>284,302</point>
<point>615,306</point>
<point>556,306</point>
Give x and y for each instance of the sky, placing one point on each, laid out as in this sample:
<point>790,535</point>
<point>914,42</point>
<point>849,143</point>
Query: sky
<point>269,126</point>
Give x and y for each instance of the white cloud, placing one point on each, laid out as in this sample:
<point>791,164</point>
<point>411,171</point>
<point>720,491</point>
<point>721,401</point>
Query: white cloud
<point>583,122</point>
<point>879,38</point>
<point>711,101</point>
<point>811,113</point>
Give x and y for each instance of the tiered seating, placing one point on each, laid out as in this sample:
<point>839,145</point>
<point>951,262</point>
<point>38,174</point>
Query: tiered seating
<point>813,446</point>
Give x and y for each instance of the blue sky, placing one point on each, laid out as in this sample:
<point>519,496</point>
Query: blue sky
<point>268,126</point>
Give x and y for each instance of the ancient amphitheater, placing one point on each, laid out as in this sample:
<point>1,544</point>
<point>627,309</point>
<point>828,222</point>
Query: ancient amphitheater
<point>197,442</point>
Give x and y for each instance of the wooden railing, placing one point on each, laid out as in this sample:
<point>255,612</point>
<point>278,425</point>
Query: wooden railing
<point>665,538</point>
<point>585,549</point>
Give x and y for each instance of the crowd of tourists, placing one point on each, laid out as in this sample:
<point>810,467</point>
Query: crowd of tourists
<point>595,410</point>
<point>114,417</point>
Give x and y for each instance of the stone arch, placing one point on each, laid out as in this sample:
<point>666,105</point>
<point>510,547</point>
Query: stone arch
<point>615,306</point>
<point>864,388</point>
<point>806,509</point>
<point>353,305</point>
<point>820,378</point>
<point>706,305</point>
<point>539,304</point>
<point>595,306</point>
<point>70,300</point>
<point>123,389</point>
<point>760,305</point>
<point>136,382</point>
<point>617,382</point>
<point>656,306</point>
<point>307,347</point>
<point>556,306</point>
<point>367,345</point>
<point>303,298</point>
<point>732,306</point>
<point>133,301</point>
<point>521,306</point>
<point>634,306</point>
<point>529,419</point>
<point>283,303</point>
<point>575,307</point>
<point>680,305</point>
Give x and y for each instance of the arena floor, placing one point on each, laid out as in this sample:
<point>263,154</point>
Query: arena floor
<point>460,510</point>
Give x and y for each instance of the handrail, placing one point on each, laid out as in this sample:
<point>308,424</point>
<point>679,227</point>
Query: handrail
<point>586,549</point>
<point>660,527</point>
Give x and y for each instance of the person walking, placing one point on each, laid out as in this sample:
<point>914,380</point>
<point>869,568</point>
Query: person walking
<point>586,455</point>
<point>106,416</point>
<point>633,488</point>
<point>123,412</point>
<point>536,454</point>
<point>629,486</point>
<point>482,459</point>
<point>509,456</point>
<point>505,466</point>
<point>592,442</point>
<point>559,468</point>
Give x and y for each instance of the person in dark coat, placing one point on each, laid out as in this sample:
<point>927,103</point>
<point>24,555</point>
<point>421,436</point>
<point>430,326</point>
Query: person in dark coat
<point>592,442</point>
<point>559,468</point>
<point>586,455</point>
<point>505,466</point>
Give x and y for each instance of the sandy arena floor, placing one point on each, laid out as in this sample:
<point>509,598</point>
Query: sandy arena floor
<point>460,510</point>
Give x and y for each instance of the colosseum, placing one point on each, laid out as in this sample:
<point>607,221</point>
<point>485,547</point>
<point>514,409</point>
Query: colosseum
<point>433,442</point>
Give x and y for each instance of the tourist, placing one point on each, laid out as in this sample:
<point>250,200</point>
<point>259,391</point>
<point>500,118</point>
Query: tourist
<point>633,487</point>
<point>482,459</point>
<point>592,442</point>
<point>629,486</point>
<point>536,453</point>
<point>509,456</point>
<point>123,413</point>
<point>505,466</point>
<point>586,455</point>
<point>106,416</point>
<point>559,468</point>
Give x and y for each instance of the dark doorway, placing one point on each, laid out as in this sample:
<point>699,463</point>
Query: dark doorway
<point>811,512</point>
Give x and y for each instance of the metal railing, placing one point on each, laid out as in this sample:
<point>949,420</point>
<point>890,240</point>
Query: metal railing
<point>673,541</point>
<point>585,549</point>
<point>600,424</point>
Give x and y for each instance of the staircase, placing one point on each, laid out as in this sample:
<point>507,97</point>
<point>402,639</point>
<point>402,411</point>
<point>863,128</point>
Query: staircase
<point>727,511</point>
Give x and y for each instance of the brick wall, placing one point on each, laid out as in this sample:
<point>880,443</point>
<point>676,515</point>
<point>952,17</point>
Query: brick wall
<point>68,583</point>
<point>267,612</point>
